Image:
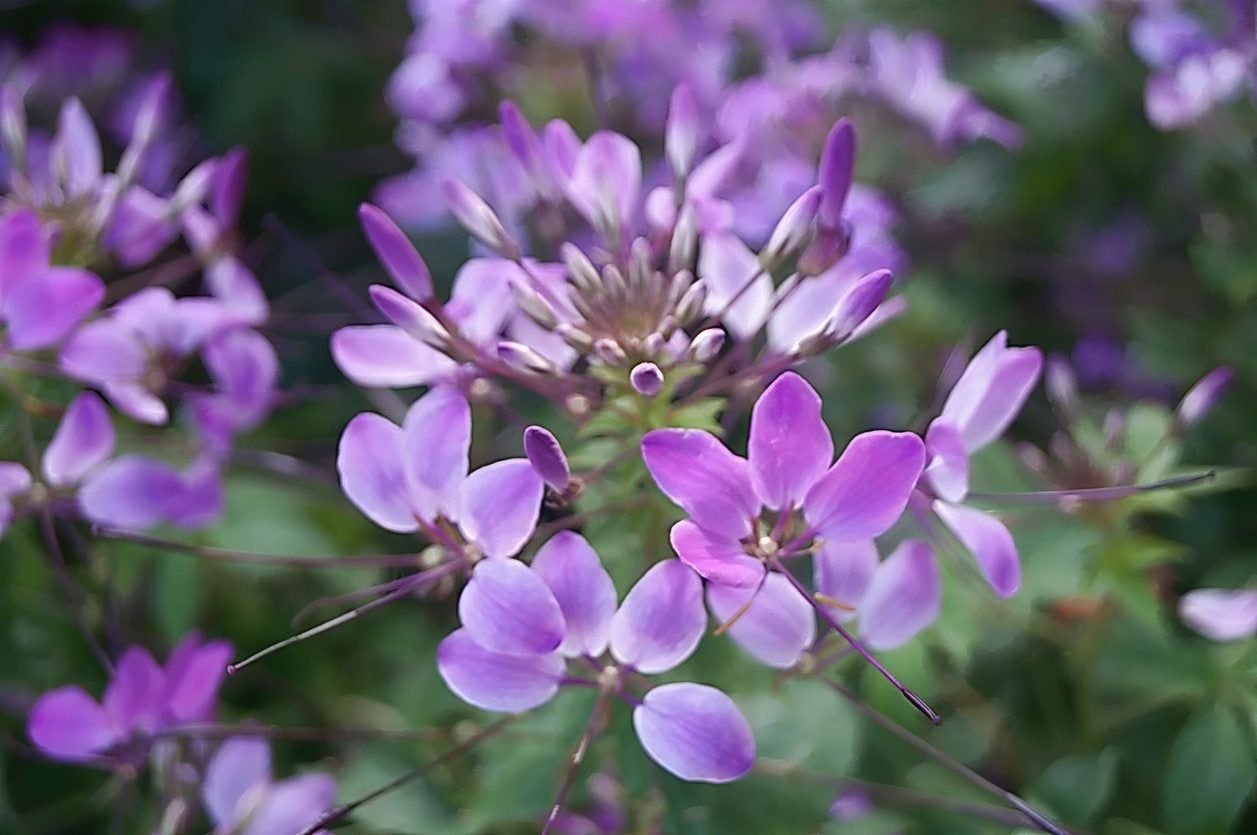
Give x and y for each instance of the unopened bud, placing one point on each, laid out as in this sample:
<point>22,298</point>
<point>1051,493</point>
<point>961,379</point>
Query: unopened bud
<point>640,270</point>
<point>653,345</point>
<point>524,358</point>
<point>706,345</point>
<point>690,307</point>
<point>613,281</point>
<point>410,316</point>
<point>547,457</point>
<point>827,248</point>
<point>609,351</point>
<point>1061,384</point>
<point>1203,396</point>
<point>580,269</point>
<point>647,379</point>
<point>476,216</point>
<point>684,243</point>
<point>535,307</point>
<point>194,187</point>
<point>576,337</point>
<point>793,230</point>
<point>681,133</point>
<point>860,302</point>
<point>13,125</point>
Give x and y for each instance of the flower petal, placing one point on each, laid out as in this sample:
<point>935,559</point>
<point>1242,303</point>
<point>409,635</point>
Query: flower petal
<point>104,351</point>
<point>507,607</point>
<point>437,439</point>
<point>605,181</point>
<point>396,253</point>
<point>790,445</point>
<point>865,492</point>
<point>194,673</point>
<point>695,732</point>
<point>385,356</point>
<point>992,390</point>
<point>904,597</point>
<point>238,765</point>
<point>989,541</point>
<point>731,271</point>
<point>717,558</point>
<point>370,463</point>
<point>1220,614</point>
<point>76,156</point>
<point>842,571</point>
<point>292,805</point>
<point>43,308</point>
<point>68,724</point>
<point>133,699</point>
<point>697,472</point>
<point>948,470</point>
<point>84,439</point>
<point>497,680</point>
<point>661,620</point>
<point>14,479</point>
<point>500,506</point>
<point>583,588</point>
<point>130,492</point>
<point>779,625</point>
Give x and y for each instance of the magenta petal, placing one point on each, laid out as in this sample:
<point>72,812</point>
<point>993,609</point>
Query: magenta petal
<point>385,356</point>
<point>948,470</point>
<point>1220,614</point>
<point>437,439</point>
<point>790,445</point>
<point>717,558</point>
<point>130,492</point>
<point>695,732</point>
<point>84,439</point>
<point>104,351</point>
<point>776,629</point>
<point>507,607</point>
<point>661,620</point>
<point>904,597</point>
<point>68,724</point>
<point>396,253</point>
<point>194,673</point>
<point>42,309</point>
<point>239,764</point>
<point>500,506</point>
<point>865,492</point>
<point>292,805</point>
<point>133,699</point>
<point>842,571</point>
<point>497,680</point>
<point>989,541</point>
<point>24,247</point>
<point>583,589</point>
<point>370,463</point>
<point>697,471</point>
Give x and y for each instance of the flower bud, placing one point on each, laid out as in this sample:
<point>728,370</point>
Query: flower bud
<point>475,215</point>
<point>535,307</point>
<point>681,133</point>
<point>793,230</point>
<point>410,316</point>
<point>684,242</point>
<point>524,358</point>
<point>1061,384</point>
<point>396,253</point>
<point>576,337</point>
<point>1203,396</point>
<point>653,344</point>
<point>706,345</point>
<point>580,269</point>
<point>547,457</point>
<point>647,379</point>
<point>609,351</point>
<point>690,307</point>
<point>827,248</point>
<point>836,169</point>
<point>860,302</point>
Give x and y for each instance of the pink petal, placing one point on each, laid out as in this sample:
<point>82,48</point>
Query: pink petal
<point>500,506</point>
<point>385,356</point>
<point>695,732</point>
<point>437,439</point>
<point>904,597</point>
<point>865,492</point>
<point>370,462</point>
<point>497,680</point>
<point>842,571</point>
<point>507,607</point>
<point>130,492</point>
<point>790,445</point>
<point>83,440</point>
<point>583,589</point>
<point>697,472</point>
<point>989,541</point>
<point>396,253</point>
<point>239,764</point>
<point>68,724</point>
<point>661,620</point>
<point>779,625</point>
<point>717,558</point>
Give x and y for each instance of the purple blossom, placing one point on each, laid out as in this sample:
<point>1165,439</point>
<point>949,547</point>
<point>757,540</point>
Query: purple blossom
<point>1220,614</point>
<point>141,699</point>
<point>242,797</point>
<point>519,624</point>
<point>1202,397</point>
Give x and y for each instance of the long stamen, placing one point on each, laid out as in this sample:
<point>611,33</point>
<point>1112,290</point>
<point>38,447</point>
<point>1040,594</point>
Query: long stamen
<point>1097,494</point>
<point>228,555</point>
<point>577,757</point>
<point>742,610</point>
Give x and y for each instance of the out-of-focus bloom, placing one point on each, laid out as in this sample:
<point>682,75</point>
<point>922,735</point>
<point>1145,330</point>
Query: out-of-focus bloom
<point>241,795</point>
<point>1220,614</point>
<point>849,805</point>
<point>1202,397</point>
<point>142,698</point>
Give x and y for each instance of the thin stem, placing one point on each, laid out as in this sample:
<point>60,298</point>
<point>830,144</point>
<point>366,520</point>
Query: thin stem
<point>350,597</point>
<point>228,555</point>
<point>299,734</point>
<point>1037,818</point>
<point>915,700</point>
<point>344,810</point>
<point>1097,494</point>
<point>71,589</point>
<point>577,757</point>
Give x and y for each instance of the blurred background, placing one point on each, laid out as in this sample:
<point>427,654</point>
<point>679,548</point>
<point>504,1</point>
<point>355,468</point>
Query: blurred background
<point>1127,250</point>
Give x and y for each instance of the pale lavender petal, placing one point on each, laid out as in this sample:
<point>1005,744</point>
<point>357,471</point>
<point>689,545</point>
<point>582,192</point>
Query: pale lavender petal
<point>865,492</point>
<point>547,457</point>
<point>731,270</point>
<point>605,181</point>
<point>948,470</point>
<point>239,764</point>
<point>245,369</point>
<point>500,506</point>
<point>661,620</point>
<point>42,309</point>
<point>904,597</point>
<point>133,699</point>
<point>76,149</point>
<point>696,471</point>
<point>194,673</point>
<point>497,681</point>
<point>695,732</point>
<point>104,351</point>
<point>989,541</point>
<point>480,300</point>
<point>1010,386</point>
<point>721,559</point>
<point>83,440</point>
<point>1202,397</point>
<point>68,724</point>
<point>136,402</point>
<point>396,253</point>
<point>437,439</point>
<point>790,445</point>
<point>842,571</point>
<point>200,499</point>
<point>507,607</point>
<point>14,479</point>
<point>779,625</point>
<point>370,461</point>
<point>235,285</point>
<point>130,492</point>
<point>385,356</point>
<point>1220,614</point>
<point>292,805</point>
<point>583,589</point>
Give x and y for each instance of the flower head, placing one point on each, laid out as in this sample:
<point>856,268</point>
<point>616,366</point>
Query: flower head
<point>241,795</point>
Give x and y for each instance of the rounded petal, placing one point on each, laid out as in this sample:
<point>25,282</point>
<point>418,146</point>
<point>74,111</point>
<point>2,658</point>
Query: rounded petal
<point>396,252</point>
<point>661,620</point>
<point>790,445</point>
<point>83,440</point>
<point>437,439</point>
<point>386,356</point>
<point>695,732</point>
<point>68,724</point>
<point>865,492</point>
<point>104,351</point>
<point>717,558</point>
<point>370,462</point>
<point>736,283</point>
<point>137,403</point>
<point>989,541</point>
<point>1220,614</point>
<point>779,625</point>
<point>130,492</point>
<point>292,805</point>
<point>497,680</point>
<point>506,607</point>
<point>904,597</point>
<point>500,506</point>
<point>14,479</point>
<point>41,310</point>
<point>238,765</point>
<point>133,700</point>
<point>992,390</point>
<point>842,571</point>
<point>696,471</point>
<point>583,588</point>
<point>948,470</point>
<point>194,673</point>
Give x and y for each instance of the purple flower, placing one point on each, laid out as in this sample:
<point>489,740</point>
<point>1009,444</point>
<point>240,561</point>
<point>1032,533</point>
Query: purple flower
<point>242,797</point>
<point>39,304</point>
<point>245,372</point>
<point>1202,397</point>
<point>1220,614</point>
<point>141,699</point>
<point>981,405</point>
<point>519,624</point>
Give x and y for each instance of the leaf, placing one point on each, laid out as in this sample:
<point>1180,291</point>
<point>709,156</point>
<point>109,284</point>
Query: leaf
<point>701,414</point>
<point>1077,788</point>
<point>1211,772</point>
<point>806,724</point>
<point>414,808</point>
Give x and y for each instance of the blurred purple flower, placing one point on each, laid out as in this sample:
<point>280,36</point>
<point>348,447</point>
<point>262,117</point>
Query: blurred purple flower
<point>1221,614</point>
<point>242,797</point>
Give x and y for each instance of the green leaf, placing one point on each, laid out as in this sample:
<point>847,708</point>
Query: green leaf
<point>701,414</point>
<point>414,808</point>
<point>1077,788</point>
<point>806,724</point>
<point>1210,774</point>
